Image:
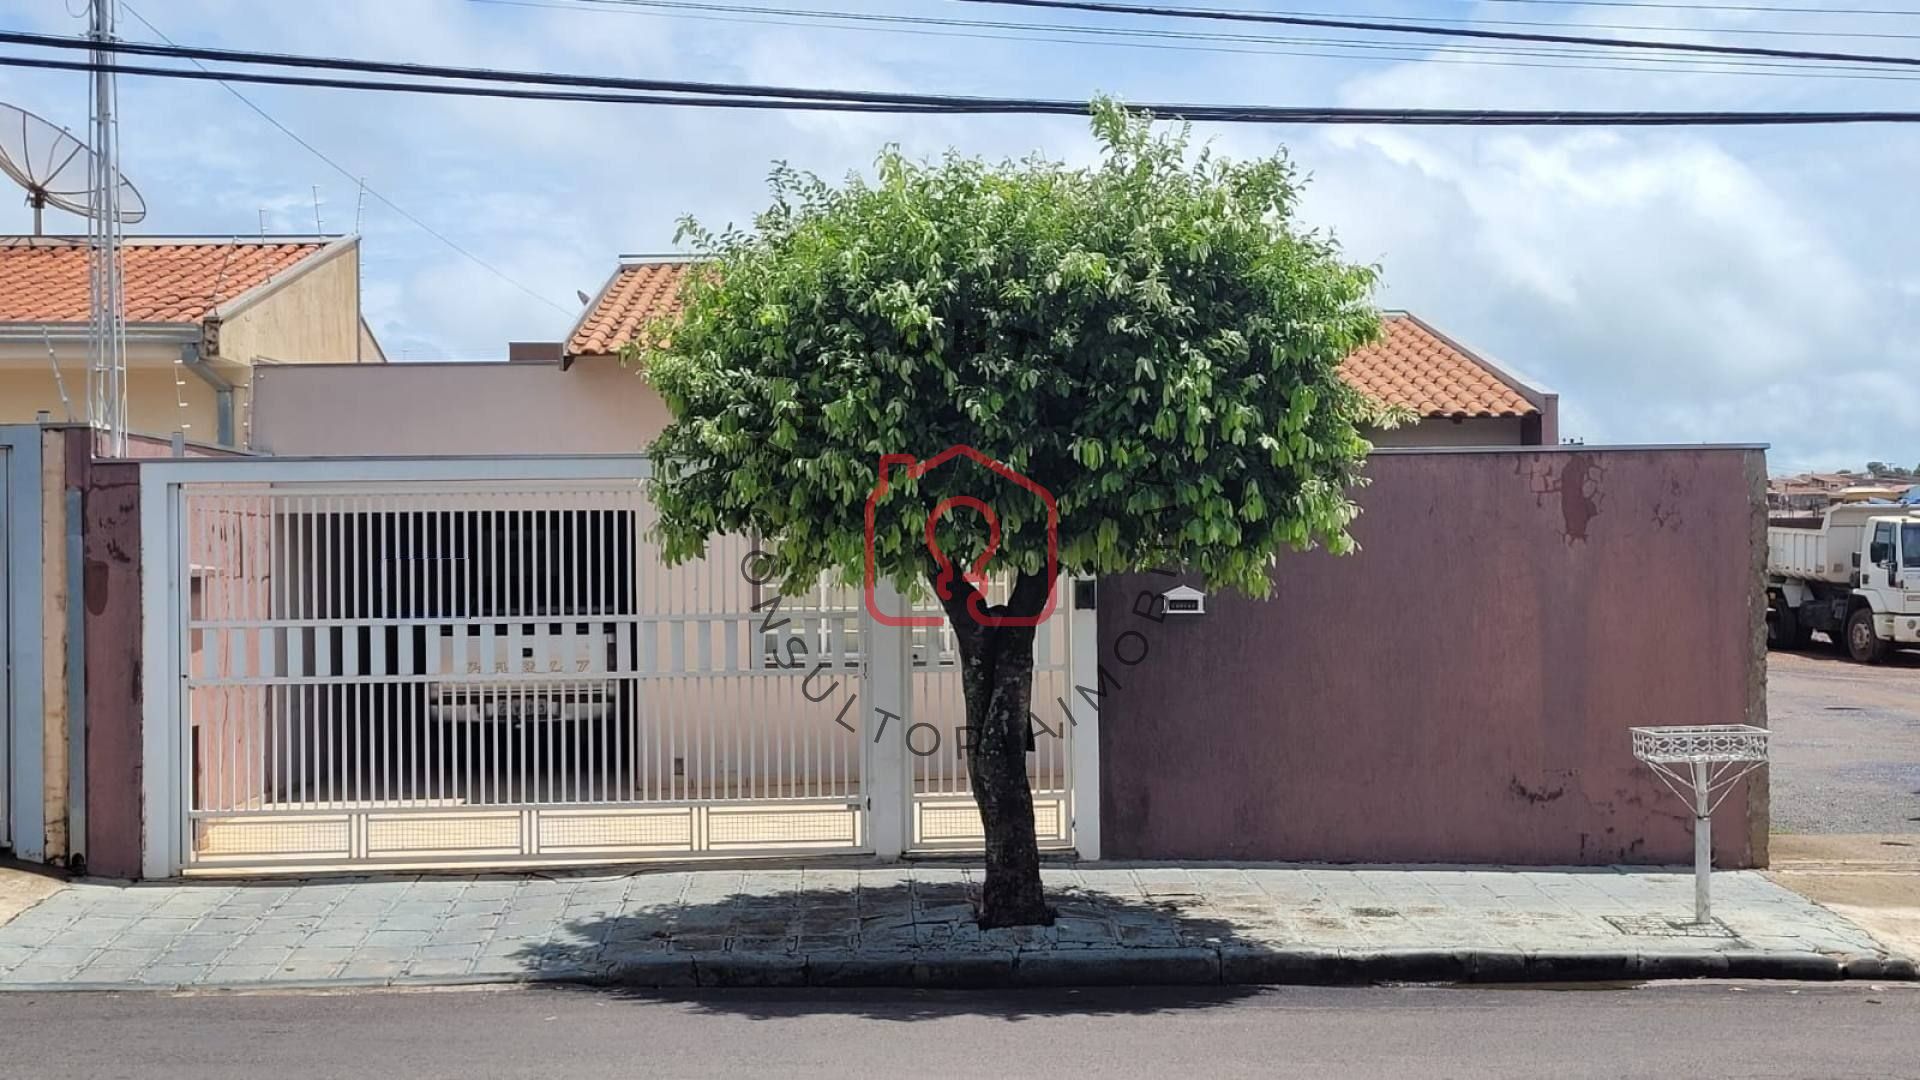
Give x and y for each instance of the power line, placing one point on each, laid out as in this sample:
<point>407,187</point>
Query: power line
<point>1710,7</point>
<point>436,71</point>
<point>733,97</point>
<point>809,13</point>
<point>1803,31</point>
<point>1370,51</point>
<point>741,96</point>
<point>360,180</point>
<point>1243,15</point>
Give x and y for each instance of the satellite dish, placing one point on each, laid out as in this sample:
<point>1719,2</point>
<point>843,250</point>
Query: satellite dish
<point>54,167</point>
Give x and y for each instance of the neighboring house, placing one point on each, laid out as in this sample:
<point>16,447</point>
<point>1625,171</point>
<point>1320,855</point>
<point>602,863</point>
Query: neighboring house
<point>1809,494</point>
<point>585,402</point>
<point>200,315</point>
<point>1461,397</point>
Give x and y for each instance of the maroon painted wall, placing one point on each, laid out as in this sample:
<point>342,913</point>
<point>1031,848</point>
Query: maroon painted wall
<point>110,506</point>
<point>1461,689</point>
<point>111,547</point>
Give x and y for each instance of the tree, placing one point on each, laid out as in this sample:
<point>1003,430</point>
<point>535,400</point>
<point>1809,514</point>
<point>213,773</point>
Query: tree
<point>1153,339</point>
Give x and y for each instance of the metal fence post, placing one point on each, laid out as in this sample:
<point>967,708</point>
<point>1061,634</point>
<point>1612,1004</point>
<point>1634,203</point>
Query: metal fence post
<point>888,687</point>
<point>1702,846</point>
<point>1083,713</point>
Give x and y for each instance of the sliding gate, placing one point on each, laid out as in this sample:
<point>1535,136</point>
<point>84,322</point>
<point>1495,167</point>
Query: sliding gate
<point>407,663</point>
<point>486,672</point>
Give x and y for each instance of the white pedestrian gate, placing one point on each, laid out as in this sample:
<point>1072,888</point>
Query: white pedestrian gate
<point>484,662</point>
<point>7,608</point>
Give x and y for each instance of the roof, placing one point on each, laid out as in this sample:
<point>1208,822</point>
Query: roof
<point>166,281</point>
<point>637,294</point>
<point>1411,365</point>
<point>1416,368</point>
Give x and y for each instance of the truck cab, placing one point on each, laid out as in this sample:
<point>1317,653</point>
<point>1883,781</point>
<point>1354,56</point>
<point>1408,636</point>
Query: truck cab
<point>1889,582</point>
<point>1853,574</point>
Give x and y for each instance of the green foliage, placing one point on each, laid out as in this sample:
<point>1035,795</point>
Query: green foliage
<point>1152,339</point>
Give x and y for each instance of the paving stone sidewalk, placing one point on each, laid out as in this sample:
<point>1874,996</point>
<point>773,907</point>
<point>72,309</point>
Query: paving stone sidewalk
<point>911,925</point>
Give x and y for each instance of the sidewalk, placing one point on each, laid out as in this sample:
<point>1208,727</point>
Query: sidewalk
<point>1872,881</point>
<point>22,887</point>
<point>910,925</point>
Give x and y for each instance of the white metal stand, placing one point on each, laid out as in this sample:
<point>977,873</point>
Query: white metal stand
<point>1701,764</point>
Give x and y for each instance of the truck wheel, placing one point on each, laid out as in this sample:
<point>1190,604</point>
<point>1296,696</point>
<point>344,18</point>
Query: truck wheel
<point>1783,629</point>
<point>1862,643</point>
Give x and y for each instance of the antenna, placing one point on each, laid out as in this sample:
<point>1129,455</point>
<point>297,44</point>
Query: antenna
<point>55,168</point>
<point>106,306</point>
<point>317,227</point>
<point>360,206</point>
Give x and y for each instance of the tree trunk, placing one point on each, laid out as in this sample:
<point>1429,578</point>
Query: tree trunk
<point>996,675</point>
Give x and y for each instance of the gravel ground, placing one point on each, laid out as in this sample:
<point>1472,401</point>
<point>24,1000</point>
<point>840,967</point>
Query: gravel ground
<point>1846,742</point>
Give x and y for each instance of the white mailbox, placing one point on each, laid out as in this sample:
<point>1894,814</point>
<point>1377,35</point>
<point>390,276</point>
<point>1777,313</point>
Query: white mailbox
<point>1183,600</point>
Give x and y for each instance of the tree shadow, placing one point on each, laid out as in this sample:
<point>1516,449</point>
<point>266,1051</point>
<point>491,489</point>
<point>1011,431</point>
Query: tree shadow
<point>908,1004</point>
<point>872,951</point>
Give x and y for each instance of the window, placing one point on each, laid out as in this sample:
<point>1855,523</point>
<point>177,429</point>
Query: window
<point>1880,552</point>
<point>1910,545</point>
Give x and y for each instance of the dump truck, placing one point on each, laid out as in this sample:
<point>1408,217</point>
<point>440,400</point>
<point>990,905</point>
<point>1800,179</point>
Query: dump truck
<point>1852,573</point>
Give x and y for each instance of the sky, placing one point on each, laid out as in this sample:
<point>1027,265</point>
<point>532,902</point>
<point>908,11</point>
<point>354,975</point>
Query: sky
<point>1672,285</point>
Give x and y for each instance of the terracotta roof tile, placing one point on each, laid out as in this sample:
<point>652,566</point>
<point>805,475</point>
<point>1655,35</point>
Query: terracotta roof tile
<point>1413,367</point>
<point>638,293</point>
<point>1410,365</point>
<point>43,281</point>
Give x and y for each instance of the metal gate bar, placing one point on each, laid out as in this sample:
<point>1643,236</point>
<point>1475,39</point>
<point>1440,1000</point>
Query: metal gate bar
<point>461,672</point>
<point>944,816</point>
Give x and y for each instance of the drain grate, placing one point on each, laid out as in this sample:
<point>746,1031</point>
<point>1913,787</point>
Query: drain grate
<point>1661,926</point>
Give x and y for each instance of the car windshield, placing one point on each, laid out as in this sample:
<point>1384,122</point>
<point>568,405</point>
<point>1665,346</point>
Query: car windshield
<point>1910,545</point>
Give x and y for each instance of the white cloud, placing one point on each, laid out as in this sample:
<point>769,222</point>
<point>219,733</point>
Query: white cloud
<point>1670,291</point>
<point>1706,284</point>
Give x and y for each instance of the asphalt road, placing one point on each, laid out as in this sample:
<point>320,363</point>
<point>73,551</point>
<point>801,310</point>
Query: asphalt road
<point>1694,1031</point>
<point>1846,742</point>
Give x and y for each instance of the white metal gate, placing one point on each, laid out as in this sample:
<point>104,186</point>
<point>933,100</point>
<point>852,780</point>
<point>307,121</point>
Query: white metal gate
<point>943,812</point>
<point>489,672</point>
<point>483,662</point>
<point>6,658</point>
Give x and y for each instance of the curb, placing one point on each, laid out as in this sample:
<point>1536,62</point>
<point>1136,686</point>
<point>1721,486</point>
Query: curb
<point>1060,968</point>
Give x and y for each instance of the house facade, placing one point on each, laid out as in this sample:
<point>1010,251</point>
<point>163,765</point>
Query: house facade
<point>201,315</point>
<point>423,623</point>
<point>579,399</point>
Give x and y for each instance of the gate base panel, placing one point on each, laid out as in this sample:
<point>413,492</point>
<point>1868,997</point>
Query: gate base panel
<point>386,838</point>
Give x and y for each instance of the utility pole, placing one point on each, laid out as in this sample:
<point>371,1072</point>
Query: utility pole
<point>106,300</point>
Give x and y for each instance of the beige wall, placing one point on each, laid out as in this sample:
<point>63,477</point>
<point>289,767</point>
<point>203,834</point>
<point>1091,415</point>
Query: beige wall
<point>27,386</point>
<point>26,391</point>
<point>370,350</point>
<point>309,317</point>
<point>596,407</point>
<point>153,405</point>
<point>1475,431</point>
